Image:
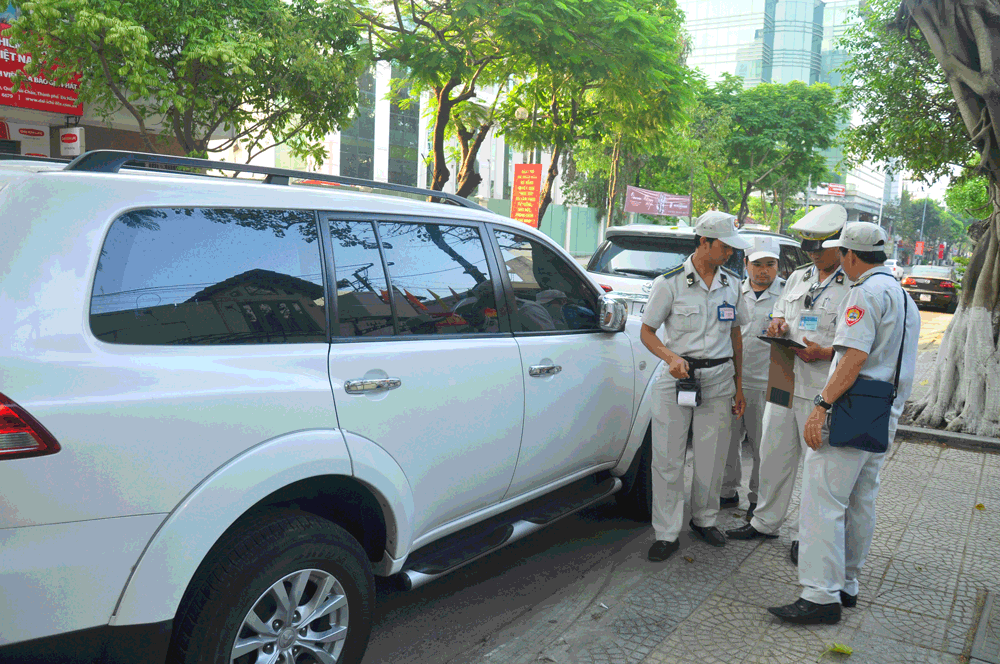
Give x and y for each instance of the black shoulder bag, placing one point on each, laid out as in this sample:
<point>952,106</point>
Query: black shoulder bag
<point>860,417</point>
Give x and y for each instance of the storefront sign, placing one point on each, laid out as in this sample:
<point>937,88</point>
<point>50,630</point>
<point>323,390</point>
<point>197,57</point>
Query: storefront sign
<point>918,248</point>
<point>836,189</point>
<point>34,139</point>
<point>941,251</point>
<point>71,141</point>
<point>36,92</point>
<point>525,193</point>
<point>644,201</point>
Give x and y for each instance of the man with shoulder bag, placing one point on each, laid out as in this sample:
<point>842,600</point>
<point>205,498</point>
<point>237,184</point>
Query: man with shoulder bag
<point>851,428</point>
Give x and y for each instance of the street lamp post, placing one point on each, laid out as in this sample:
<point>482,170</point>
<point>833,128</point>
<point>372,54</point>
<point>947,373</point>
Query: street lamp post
<point>922,218</point>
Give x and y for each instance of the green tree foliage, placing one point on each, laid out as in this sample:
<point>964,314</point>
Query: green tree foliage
<point>775,133</point>
<point>594,68</point>
<point>266,71</point>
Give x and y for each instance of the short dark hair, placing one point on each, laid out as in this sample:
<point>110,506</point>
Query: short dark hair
<point>870,257</point>
<point>697,240</point>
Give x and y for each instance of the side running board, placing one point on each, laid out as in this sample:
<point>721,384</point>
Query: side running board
<point>457,550</point>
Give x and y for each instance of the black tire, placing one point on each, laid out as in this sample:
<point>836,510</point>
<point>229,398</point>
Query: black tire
<point>636,497</point>
<point>952,307</point>
<point>249,562</point>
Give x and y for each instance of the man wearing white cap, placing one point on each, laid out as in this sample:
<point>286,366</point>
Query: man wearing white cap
<point>761,289</point>
<point>807,313</point>
<point>877,332</point>
<point>699,386</point>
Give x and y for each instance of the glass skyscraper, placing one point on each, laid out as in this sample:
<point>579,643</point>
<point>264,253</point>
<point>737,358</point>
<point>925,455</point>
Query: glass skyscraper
<point>779,41</point>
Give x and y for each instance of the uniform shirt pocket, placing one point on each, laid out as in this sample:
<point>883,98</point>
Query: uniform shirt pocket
<point>684,317</point>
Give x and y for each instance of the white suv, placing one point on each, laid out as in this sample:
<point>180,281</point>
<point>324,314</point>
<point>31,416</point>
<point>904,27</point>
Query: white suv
<point>226,404</point>
<point>632,256</point>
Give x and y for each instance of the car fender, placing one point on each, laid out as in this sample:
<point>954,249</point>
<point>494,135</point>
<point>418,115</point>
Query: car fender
<point>160,578</point>
<point>640,423</point>
<point>376,468</point>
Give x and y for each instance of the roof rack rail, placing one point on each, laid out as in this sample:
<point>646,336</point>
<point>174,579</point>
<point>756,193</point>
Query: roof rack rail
<point>111,161</point>
<point>24,157</point>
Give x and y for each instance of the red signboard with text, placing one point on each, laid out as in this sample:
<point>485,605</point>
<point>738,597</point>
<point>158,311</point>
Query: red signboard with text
<point>526,193</point>
<point>941,251</point>
<point>918,248</point>
<point>836,189</point>
<point>644,201</point>
<point>36,92</point>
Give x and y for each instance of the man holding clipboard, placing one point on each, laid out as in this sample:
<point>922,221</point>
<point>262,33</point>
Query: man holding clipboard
<point>806,314</point>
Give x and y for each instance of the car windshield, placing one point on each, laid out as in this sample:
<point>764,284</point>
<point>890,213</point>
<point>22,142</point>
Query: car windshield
<point>939,271</point>
<point>648,257</point>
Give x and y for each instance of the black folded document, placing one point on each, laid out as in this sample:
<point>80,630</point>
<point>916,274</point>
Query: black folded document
<point>782,341</point>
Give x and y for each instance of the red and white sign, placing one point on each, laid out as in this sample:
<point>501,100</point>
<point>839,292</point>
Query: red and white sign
<point>34,139</point>
<point>918,248</point>
<point>36,92</point>
<point>525,196</point>
<point>644,201</point>
<point>71,141</point>
<point>941,251</point>
<point>836,189</point>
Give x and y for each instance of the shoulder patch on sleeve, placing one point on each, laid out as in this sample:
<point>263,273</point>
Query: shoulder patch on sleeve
<point>853,315</point>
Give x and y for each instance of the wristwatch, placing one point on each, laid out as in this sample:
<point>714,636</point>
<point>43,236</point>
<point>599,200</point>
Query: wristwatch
<point>818,400</point>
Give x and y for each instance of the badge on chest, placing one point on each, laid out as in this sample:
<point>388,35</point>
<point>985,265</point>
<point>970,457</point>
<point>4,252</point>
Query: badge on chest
<point>727,312</point>
<point>808,322</point>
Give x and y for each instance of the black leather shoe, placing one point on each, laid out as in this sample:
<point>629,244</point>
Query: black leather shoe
<point>747,532</point>
<point>729,502</point>
<point>793,555</point>
<point>804,612</point>
<point>710,534</point>
<point>848,601</point>
<point>750,511</point>
<point>661,550</point>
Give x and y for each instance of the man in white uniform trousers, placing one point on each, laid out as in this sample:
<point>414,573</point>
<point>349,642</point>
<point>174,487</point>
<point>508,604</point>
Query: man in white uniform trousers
<point>806,312</point>
<point>761,290</point>
<point>700,307</point>
<point>839,484</point>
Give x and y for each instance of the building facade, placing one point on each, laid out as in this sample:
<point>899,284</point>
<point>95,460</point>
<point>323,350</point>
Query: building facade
<point>779,41</point>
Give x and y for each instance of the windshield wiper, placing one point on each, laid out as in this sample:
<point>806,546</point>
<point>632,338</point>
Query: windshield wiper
<point>652,274</point>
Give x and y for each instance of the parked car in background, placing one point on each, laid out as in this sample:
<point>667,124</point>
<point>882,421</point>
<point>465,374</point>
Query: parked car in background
<point>632,256</point>
<point>897,269</point>
<point>227,404</point>
<point>933,286</point>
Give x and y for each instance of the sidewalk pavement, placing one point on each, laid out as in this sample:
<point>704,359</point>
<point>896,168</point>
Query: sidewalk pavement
<point>934,558</point>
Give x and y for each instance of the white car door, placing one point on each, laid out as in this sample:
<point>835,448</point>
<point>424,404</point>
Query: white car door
<point>449,409</point>
<point>578,380</point>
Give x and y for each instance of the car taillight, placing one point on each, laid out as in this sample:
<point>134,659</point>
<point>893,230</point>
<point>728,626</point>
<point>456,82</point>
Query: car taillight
<point>607,289</point>
<point>909,281</point>
<point>946,284</point>
<point>21,435</point>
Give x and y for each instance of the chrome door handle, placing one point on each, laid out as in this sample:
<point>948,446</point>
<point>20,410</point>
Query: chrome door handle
<point>367,386</point>
<point>542,370</point>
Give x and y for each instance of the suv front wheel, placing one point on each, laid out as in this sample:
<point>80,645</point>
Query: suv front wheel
<point>288,587</point>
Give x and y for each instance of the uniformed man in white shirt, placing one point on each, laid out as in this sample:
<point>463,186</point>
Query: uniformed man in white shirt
<point>761,289</point>
<point>699,387</point>
<point>806,312</point>
<point>839,484</point>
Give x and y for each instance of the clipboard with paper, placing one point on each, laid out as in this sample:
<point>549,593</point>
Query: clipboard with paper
<point>781,373</point>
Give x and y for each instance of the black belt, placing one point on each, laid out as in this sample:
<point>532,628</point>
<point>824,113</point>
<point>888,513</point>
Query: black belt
<point>694,363</point>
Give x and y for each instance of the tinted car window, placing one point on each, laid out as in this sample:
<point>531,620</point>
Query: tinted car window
<point>791,258</point>
<point>440,279</point>
<point>644,257</point>
<point>362,294</point>
<point>548,293</point>
<point>210,276</point>
<point>939,271</point>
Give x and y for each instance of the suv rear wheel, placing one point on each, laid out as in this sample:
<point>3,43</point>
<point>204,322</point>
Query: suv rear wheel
<point>288,587</point>
<point>636,499</point>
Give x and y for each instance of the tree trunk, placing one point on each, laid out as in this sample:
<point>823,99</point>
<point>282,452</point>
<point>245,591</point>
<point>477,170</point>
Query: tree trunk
<point>613,181</point>
<point>965,387</point>
<point>444,105</point>
<point>550,178</point>
<point>470,142</point>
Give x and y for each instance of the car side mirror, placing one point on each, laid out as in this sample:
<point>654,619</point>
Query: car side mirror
<point>614,313</point>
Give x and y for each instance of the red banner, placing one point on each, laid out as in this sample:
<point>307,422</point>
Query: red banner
<point>918,248</point>
<point>836,189</point>
<point>36,93</point>
<point>526,193</point>
<point>644,201</point>
<point>941,251</point>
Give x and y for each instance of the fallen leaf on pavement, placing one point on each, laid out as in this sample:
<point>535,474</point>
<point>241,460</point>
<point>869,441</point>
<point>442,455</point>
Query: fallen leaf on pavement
<point>689,559</point>
<point>980,507</point>
<point>841,648</point>
<point>925,382</point>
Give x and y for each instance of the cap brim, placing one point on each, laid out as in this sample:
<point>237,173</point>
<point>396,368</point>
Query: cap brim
<point>736,241</point>
<point>830,244</point>
<point>757,255</point>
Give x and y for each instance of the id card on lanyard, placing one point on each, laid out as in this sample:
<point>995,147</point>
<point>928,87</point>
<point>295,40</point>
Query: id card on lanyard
<point>727,312</point>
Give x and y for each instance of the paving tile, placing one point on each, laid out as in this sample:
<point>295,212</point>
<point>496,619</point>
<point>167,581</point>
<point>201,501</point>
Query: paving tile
<point>916,573</point>
<point>770,560</point>
<point>874,649</point>
<point>946,486</point>
<point>981,571</point>
<point>722,630</point>
<point>913,628</point>
<point>757,590</point>
<point>926,601</point>
<point>961,456</point>
<point>917,538</point>
<point>916,448</point>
